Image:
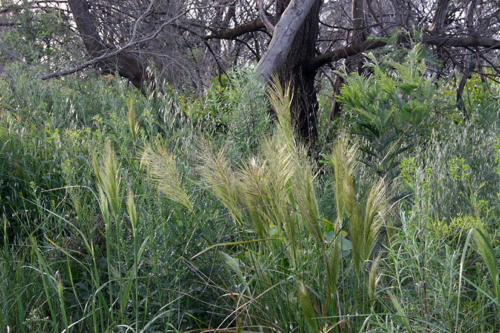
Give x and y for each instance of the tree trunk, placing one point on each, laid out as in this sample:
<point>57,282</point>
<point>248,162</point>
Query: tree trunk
<point>353,63</point>
<point>468,64</point>
<point>288,56</point>
<point>358,35</point>
<point>127,65</point>
<point>439,19</point>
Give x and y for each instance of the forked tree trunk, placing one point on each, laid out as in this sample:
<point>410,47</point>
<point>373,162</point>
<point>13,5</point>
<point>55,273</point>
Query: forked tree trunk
<point>304,106</point>
<point>288,56</point>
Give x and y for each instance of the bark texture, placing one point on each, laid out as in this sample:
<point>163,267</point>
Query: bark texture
<point>288,56</point>
<point>126,64</point>
<point>439,20</point>
<point>353,63</point>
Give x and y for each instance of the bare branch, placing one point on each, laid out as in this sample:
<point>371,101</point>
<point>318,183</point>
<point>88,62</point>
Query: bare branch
<point>464,42</point>
<point>139,20</point>
<point>251,26</point>
<point>469,65</point>
<point>114,53</point>
<point>345,52</point>
<point>265,20</point>
<point>440,16</point>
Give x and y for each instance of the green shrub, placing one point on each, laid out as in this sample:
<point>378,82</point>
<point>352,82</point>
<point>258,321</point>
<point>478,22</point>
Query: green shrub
<point>393,110</point>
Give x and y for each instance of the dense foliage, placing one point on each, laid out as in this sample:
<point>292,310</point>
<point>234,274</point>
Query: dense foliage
<point>173,212</point>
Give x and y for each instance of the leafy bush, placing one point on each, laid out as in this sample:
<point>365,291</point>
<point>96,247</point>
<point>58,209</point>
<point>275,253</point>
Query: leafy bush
<point>393,110</point>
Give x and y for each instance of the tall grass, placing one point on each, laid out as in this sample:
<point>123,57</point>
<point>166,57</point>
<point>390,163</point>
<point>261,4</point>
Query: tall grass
<point>273,199</point>
<point>90,246</point>
<point>364,222</point>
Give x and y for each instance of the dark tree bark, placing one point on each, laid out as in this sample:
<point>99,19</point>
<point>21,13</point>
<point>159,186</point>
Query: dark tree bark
<point>358,34</point>
<point>439,19</point>
<point>355,62</point>
<point>126,64</point>
<point>469,65</point>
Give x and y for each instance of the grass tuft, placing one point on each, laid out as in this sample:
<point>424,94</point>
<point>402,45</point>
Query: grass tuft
<point>162,169</point>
